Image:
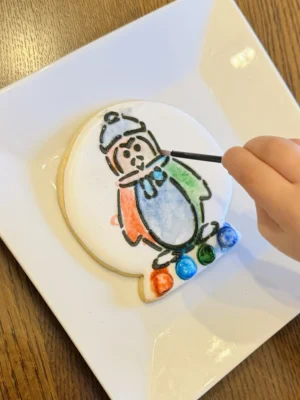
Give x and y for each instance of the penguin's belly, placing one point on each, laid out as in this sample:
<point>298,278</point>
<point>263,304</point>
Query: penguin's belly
<point>169,216</point>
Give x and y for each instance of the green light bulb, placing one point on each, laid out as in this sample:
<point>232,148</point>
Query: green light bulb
<point>206,254</point>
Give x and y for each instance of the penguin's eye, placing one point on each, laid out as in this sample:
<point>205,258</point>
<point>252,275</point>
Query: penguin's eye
<point>126,153</point>
<point>137,147</point>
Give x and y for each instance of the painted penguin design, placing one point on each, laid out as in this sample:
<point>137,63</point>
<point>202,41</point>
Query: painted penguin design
<point>160,199</point>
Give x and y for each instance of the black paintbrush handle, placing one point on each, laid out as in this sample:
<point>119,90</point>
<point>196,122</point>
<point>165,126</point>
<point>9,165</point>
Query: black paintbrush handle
<point>196,156</point>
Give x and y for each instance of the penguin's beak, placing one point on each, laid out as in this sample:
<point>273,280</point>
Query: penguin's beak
<point>141,167</point>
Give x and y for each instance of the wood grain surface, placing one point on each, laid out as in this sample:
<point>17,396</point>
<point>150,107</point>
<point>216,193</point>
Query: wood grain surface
<point>37,359</point>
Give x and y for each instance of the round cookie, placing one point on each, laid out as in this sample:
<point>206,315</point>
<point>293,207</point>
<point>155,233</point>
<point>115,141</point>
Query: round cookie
<point>141,213</point>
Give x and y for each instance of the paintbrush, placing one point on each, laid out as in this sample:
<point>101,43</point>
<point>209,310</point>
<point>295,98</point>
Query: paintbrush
<point>192,156</point>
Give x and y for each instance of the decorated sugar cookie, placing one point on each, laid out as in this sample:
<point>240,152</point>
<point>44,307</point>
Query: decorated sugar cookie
<point>141,213</point>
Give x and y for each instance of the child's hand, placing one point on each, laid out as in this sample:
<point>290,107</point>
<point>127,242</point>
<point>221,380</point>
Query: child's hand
<point>269,169</point>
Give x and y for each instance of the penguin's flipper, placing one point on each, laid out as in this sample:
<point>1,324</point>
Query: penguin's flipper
<point>129,219</point>
<point>195,188</point>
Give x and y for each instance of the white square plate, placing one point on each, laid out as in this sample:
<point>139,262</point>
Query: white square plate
<point>202,57</point>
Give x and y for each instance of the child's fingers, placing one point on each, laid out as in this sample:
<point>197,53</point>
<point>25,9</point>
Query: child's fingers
<point>297,141</point>
<point>266,225</point>
<point>268,188</point>
<point>281,154</point>
<point>274,234</point>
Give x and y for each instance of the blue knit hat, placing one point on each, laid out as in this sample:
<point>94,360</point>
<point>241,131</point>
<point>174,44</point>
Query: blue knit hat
<point>116,126</point>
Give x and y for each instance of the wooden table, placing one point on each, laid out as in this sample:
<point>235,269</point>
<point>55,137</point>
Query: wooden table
<point>37,359</point>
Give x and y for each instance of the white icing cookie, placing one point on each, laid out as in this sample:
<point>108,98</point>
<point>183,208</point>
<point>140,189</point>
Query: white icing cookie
<point>138,212</point>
